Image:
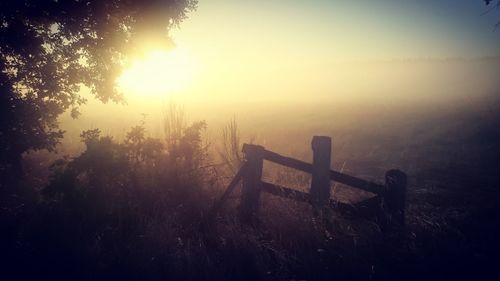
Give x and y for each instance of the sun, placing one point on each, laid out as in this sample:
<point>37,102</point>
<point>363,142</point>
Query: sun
<point>158,73</point>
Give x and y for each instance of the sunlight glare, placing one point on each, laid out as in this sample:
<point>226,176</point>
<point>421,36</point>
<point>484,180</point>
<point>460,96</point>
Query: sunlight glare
<point>158,73</point>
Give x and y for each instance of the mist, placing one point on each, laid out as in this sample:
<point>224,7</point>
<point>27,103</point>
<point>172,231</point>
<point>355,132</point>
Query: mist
<point>421,86</point>
<point>249,140</point>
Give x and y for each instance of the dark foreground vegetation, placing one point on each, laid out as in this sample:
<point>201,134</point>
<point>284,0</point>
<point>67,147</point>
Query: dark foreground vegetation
<point>133,210</point>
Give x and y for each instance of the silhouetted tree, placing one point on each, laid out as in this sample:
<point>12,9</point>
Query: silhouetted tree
<point>495,5</point>
<point>49,49</point>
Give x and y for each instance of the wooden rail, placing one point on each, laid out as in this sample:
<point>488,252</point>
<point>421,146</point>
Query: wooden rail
<point>301,196</point>
<point>387,205</point>
<point>308,168</point>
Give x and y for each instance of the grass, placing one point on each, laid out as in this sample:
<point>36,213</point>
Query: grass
<point>142,222</point>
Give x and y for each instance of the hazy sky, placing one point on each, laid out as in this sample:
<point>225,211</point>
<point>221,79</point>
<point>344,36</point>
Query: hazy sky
<point>270,48</point>
<point>344,30</point>
<point>269,53</point>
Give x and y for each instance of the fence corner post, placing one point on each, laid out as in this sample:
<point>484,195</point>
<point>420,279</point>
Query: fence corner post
<point>395,197</point>
<point>320,182</point>
<point>251,180</point>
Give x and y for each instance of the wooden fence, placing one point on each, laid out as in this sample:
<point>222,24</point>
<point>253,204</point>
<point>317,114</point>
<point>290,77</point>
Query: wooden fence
<point>387,205</point>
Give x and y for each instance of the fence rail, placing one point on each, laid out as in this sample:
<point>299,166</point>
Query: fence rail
<point>387,205</point>
<point>308,168</point>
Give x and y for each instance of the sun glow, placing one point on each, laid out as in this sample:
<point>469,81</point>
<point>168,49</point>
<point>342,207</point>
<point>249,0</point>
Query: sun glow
<point>159,73</point>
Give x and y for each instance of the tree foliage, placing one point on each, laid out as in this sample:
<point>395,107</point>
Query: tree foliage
<point>496,4</point>
<point>107,163</point>
<point>49,49</point>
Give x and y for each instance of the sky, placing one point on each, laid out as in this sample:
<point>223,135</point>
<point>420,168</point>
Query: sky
<point>345,30</point>
<point>248,50</point>
<point>234,56</point>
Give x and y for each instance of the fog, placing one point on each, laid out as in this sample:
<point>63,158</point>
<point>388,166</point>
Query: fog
<point>249,140</point>
<point>286,100</point>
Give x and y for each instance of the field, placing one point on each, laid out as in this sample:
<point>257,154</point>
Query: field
<point>143,221</point>
<point>190,140</point>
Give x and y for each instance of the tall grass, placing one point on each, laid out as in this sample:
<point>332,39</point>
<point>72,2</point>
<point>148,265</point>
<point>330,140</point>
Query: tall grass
<point>131,210</point>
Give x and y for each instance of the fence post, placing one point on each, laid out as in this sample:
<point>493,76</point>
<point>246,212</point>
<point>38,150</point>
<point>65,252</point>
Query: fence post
<point>251,182</point>
<point>320,182</point>
<point>394,198</point>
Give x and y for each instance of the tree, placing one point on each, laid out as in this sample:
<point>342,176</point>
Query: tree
<point>495,5</point>
<point>489,1</point>
<point>49,49</point>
